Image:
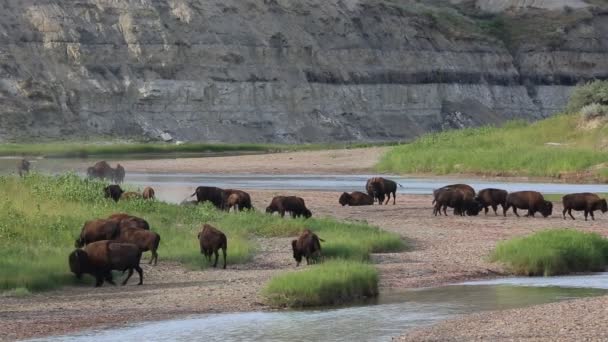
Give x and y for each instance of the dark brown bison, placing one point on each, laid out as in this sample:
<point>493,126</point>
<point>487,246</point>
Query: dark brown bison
<point>586,202</point>
<point>211,241</point>
<point>467,189</point>
<point>101,170</point>
<point>144,239</point>
<point>129,221</point>
<point>148,193</point>
<point>130,195</point>
<point>101,257</point>
<point>378,188</point>
<point>462,202</point>
<point>531,200</point>
<point>292,204</point>
<point>237,199</point>
<point>23,167</point>
<point>113,191</point>
<point>308,245</point>
<point>118,174</point>
<point>355,198</point>
<point>212,194</point>
<point>492,198</point>
<point>96,230</point>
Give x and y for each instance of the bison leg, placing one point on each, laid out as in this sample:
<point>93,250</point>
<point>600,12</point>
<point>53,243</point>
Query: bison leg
<point>154,257</point>
<point>445,208</point>
<point>591,213</point>
<point>388,198</point>
<point>98,280</point>
<point>128,276</point>
<point>504,210</point>
<point>515,211</point>
<point>282,213</point>
<point>217,256</point>
<point>564,213</point>
<point>570,213</point>
<point>141,274</point>
<point>394,197</point>
<point>224,253</point>
<point>495,208</point>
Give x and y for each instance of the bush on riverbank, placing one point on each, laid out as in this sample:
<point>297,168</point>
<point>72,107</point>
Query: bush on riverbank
<point>331,282</point>
<point>554,252</point>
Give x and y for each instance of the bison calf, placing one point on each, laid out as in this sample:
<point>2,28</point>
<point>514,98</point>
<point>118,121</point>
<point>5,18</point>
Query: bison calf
<point>355,198</point>
<point>492,198</point>
<point>101,257</point>
<point>211,240</point>
<point>237,199</point>
<point>145,240</point>
<point>586,202</point>
<point>148,193</point>
<point>308,245</point>
<point>292,204</point>
<point>533,201</point>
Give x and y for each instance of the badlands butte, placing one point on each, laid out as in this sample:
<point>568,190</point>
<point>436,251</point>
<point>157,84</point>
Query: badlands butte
<point>289,71</point>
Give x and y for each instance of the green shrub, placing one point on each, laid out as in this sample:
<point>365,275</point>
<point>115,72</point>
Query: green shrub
<point>553,252</point>
<point>590,93</point>
<point>331,282</point>
<point>593,111</point>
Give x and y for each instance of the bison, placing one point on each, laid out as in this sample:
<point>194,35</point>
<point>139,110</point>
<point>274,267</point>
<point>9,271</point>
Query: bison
<point>211,240</point>
<point>118,174</point>
<point>113,191</point>
<point>586,202</point>
<point>292,204</point>
<point>101,257</point>
<point>467,189</point>
<point>308,245</point>
<point>145,240</point>
<point>379,187</point>
<point>212,194</point>
<point>533,201</point>
<point>237,199</point>
<point>96,230</point>
<point>101,170</point>
<point>148,193</point>
<point>128,221</point>
<point>462,202</point>
<point>355,198</point>
<point>23,167</point>
<point>492,198</point>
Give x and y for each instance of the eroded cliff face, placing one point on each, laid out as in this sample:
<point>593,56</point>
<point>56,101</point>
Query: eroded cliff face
<point>276,70</point>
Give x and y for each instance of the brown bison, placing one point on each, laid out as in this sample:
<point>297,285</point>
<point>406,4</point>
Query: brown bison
<point>292,204</point>
<point>145,240</point>
<point>211,241</point>
<point>129,221</point>
<point>212,194</point>
<point>586,202</point>
<point>118,174</point>
<point>531,200</point>
<point>101,257</point>
<point>23,167</point>
<point>492,198</point>
<point>462,202</point>
<point>237,199</point>
<point>378,188</point>
<point>113,191</point>
<point>130,195</point>
<point>308,245</point>
<point>96,230</point>
<point>101,170</point>
<point>467,189</point>
<point>148,193</point>
<point>355,198</point>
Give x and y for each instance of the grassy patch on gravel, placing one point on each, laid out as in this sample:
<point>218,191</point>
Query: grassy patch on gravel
<point>553,252</point>
<point>331,282</point>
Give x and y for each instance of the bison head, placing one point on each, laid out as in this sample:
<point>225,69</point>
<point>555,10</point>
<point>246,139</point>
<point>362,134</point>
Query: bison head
<point>546,208</point>
<point>307,213</point>
<point>269,210</point>
<point>79,242</point>
<point>603,205</point>
<point>296,253</point>
<point>344,199</point>
<point>473,208</point>
<point>78,262</point>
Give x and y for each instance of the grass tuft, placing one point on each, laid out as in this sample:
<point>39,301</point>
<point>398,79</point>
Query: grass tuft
<point>553,252</point>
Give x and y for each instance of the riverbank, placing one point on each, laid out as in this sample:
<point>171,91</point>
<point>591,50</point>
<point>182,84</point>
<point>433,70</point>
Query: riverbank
<point>443,250</point>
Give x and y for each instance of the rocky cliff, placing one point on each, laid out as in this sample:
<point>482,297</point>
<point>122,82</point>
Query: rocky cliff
<point>286,70</point>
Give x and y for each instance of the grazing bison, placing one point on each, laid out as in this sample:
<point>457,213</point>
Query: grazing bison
<point>101,257</point>
<point>96,230</point>
<point>211,241</point>
<point>586,202</point>
<point>308,245</point>
<point>101,170</point>
<point>211,194</point>
<point>113,191</point>
<point>23,167</point>
<point>118,174</point>
<point>130,195</point>
<point>128,221</point>
<point>462,202</point>
<point>292,204</point>
<point>145,240</point>
<point>379,187</point>
<point>531,200</point>
<point>237,199</point>
<point>355,198</point>
<point>148,193</point>
<point>492,198</point>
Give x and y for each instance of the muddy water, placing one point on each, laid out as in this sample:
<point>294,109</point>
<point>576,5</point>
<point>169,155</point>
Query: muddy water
<point>390,316</point>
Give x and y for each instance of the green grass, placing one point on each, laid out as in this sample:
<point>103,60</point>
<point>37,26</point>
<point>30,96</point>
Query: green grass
<point>40,217</point>
<point>517,148</point>
<point>554,252</point>
<point>331,282</point>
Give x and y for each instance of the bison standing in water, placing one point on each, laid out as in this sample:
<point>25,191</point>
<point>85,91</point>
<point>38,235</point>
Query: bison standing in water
<point>211,240</point>
<point>492,198</point>
<point>379,187</point>
<point>533,201</point>
<point>586,202</point>
<point>355,198</point>
<point>292,204</point>
<point>308,245</point>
